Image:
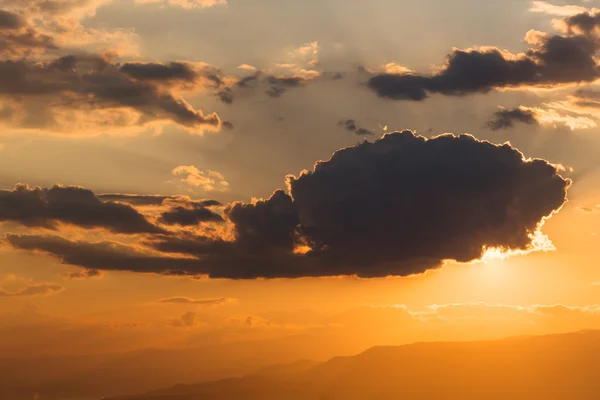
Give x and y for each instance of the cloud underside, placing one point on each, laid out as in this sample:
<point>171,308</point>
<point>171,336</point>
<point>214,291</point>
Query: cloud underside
<point>48,208</point>
<point>398,206</point>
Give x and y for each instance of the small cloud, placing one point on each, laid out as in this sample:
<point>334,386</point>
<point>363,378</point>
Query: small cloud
<point>506,118</point>
<point>187,320</point>
<point>351,126</point>
<point>83,274</point>
<point>247,67</point>
<point>211,181</point>
<point>589,209</point>
<point>201,302</point>
<point>393,68</point>
<point>13,286</point>
<point>559,11</point>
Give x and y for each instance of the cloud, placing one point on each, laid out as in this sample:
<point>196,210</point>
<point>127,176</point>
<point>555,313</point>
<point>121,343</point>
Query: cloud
<point>401,205</point>
<point>102,255</point>
<point>210,181</point>
<point>45,208</point>
<point>185,216</point>
<point>157,72</point>
<point>187,4</point>
<point>391,204</point>
<point>134,199</point>
<point>83,274</point>
<point>351,126</point>
<point>560,11</point>
<point>584,23</point>
<point>506,118</point>
<point>265,225</point>
<point>580,110</point>
<point>589,209</point>
<point>28,289</point>
<point>187,320</point>
<point>550,61</point>
<point>10,20</point>
<point>201,302</point>
<point>19,39</point>
<point>61,20</point>
<point>280,84</point>
<point>90,93</point>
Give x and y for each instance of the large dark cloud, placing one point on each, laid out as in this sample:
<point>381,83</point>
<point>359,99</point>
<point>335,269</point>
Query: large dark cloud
<point>404,203</point>
<point>552,60</point>
<point>398,206</point>
<point>45,208</point>
<point>506,118</point>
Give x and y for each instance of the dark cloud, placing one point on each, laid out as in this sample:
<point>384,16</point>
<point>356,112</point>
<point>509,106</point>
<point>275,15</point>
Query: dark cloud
<point>201,302</point>
<point>506,118</point>
<point>156,200</point>
<point>227,125</point>
<point>102,255</point>
<point>17,39</point>
<point>37,289</point>
<point>403,204</point>
<point>83,274</point>
<point>157,72</point>
<point>134,199</point>
<point>552,60</point>
<point>589,209</point>
<point>10,20</point>
<point>351,126</point>
<point>334,76</point>
<point>585,23</point>
<point>266,224</point>
<point>189,216</point>
<point>226,95</point>
<point>248,79</point>
<point>69,205</point>
<point>94,82</point>
<point>397,206</point>
<point>185,74</point>
<point>279,85</point>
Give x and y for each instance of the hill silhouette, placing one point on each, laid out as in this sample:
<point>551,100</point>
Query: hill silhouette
<point>564,366</point>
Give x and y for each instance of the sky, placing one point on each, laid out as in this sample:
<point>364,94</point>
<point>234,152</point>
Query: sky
<point>180,173</point>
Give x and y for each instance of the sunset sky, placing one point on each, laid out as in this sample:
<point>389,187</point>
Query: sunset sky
<point>184,172</point>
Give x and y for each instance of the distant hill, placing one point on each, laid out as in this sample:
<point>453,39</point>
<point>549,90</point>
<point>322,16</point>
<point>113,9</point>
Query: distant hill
<point>565,367</point>
<point>90,377</point>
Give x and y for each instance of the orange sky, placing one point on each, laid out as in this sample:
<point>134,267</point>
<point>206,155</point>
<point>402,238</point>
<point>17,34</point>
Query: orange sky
<point>222,107</point>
